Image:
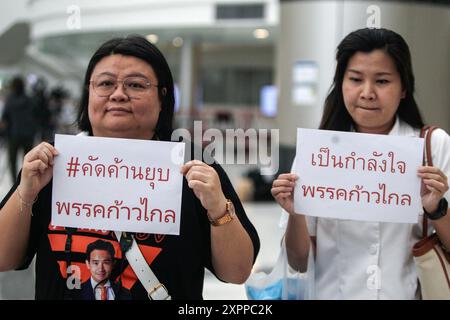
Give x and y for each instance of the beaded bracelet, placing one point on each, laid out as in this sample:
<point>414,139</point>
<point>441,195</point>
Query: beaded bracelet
<point>24,203</point>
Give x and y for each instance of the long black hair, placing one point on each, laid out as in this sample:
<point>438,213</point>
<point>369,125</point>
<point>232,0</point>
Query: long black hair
<point>135,46</point>
<point>335,115</point>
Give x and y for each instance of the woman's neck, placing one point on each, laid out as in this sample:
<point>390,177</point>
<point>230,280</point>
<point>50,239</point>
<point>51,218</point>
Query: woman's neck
<point>384,129</point>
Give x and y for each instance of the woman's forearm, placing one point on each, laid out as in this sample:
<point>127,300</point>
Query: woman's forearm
<point>15,220</point>
<point>232,252</point>
<point>442,227</point>
<point>297,242</point>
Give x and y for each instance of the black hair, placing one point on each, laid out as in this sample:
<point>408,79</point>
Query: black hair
<point>100,245</point>
<point>335,115</point>
<point>17,86</point>
<point>134,46</point>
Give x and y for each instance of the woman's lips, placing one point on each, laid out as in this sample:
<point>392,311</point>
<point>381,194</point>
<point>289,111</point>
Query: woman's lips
<point>368,108</point>
<point>118,110</point>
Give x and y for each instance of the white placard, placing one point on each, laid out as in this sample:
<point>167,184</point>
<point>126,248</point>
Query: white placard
<point>117,184</point>
<point>357,176</point>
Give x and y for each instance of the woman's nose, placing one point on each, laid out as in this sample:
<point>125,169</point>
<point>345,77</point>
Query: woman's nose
<point>368,92</point>
<point>119,93</point>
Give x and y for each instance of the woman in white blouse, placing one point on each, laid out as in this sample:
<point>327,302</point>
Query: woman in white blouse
<point>372,92</point>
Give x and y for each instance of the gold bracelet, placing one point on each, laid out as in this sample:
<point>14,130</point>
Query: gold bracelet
<point>24,203</point>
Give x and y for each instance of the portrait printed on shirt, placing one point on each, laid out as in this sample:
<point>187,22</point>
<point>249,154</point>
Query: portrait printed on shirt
<point>100,263</point>
<point>96,269</point>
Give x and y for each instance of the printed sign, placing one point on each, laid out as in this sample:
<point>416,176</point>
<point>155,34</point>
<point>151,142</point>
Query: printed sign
<point>357,176</point>
<point>117,184</point>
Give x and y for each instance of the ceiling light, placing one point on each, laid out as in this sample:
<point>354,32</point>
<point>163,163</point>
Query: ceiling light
<point>177,41</point>
<point>152,38</point>
<point>260,33</point>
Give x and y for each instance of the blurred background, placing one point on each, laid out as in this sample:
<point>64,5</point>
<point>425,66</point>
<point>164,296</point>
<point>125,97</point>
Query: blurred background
<point>261,64</point>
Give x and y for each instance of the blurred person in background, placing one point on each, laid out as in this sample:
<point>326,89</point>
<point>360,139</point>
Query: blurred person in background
<point>19,121</point>
<point>68,116</point>
<point>56,100</point>
<point>2,106</point>
<point>40,99</point>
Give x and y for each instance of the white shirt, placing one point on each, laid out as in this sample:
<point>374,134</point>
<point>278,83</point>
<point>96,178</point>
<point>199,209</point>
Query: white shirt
<point>371,260</point>
<point>110,292</point>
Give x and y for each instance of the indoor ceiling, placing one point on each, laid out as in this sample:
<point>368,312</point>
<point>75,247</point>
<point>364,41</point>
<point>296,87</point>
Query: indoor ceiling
<point>83,44</point>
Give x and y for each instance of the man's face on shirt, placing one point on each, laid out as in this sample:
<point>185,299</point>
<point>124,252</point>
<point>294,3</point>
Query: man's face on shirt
<point>100,265</point>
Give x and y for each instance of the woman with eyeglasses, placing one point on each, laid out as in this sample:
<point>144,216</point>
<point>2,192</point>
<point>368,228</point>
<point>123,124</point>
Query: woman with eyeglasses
<point>128,93</point>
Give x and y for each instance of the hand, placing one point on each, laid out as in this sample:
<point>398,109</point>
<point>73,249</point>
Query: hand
<point>283,191</point>
<point>205,183</point>
<point>37,170</point>
<point>436,185</point>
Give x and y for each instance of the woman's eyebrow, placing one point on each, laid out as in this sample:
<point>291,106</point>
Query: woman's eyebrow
<point>105,73</point>
<point>354,71</point>
<point>133,74</point>
<point>385,73</point>
<point>136,74</point>
<point>382,73</point>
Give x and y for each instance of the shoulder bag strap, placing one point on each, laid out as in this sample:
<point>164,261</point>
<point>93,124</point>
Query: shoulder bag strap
<point>427,160</point>
<point>155,289</point>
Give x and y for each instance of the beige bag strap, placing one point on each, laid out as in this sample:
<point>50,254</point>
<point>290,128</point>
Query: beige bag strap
<point>155,289</point>
<point>426,132</point>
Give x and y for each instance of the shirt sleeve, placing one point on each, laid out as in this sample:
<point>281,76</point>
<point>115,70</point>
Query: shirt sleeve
<point>311,223</point>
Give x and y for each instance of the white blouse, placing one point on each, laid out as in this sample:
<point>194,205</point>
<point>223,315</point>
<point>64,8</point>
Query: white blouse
<point>371,260</point>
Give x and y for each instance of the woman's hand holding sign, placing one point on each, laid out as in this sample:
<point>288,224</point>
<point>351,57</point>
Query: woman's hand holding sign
<point>283,191</point>
<point>37,170</point>
<point>205,183</point>
<point>436,184</point>
<point>228,244</point>
<point>15,217</point>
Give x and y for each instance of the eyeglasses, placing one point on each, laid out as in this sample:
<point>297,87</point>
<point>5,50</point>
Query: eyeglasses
<point>134,87</point>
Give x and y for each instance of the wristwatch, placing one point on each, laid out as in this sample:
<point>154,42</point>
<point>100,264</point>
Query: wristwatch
<point>440,212</point>
<point>227,217</point>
